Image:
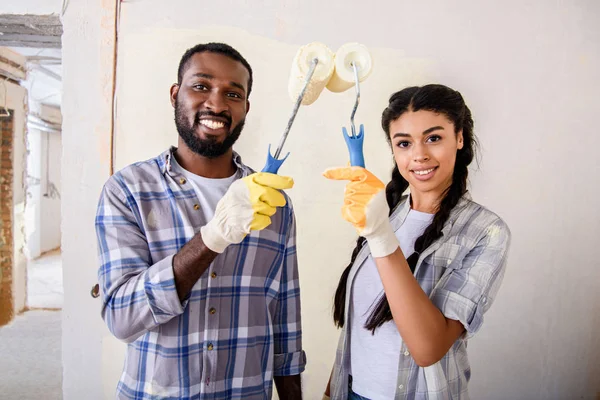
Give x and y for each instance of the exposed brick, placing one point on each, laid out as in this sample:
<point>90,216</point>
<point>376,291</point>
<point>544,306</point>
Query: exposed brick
<point>6,223</point>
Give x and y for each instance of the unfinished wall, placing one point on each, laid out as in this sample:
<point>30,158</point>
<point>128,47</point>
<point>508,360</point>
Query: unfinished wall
<point>13,97</point>
<point>530,73</point>
<point>6,219</point>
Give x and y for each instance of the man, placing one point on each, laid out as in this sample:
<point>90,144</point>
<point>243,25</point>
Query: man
<point>198,263</point>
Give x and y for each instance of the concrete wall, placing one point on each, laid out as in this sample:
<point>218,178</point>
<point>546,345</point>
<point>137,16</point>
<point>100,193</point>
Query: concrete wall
<point>530,73</point>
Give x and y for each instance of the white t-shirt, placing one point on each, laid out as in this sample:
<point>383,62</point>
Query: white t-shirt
<point>375,358</point>
<point>209,191</point>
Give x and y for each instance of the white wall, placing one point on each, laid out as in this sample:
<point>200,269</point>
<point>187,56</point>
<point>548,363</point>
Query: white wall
<point>14,97</point>
<point>86,106</point>
<point>43,206</point>
<point>530,73</point>
<point>39,7</point>
<point>33,210</point>
<point>50,201</point>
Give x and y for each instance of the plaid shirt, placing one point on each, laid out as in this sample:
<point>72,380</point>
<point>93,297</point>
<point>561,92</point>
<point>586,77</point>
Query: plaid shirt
<point>461,273</point>
<point>239,327</point>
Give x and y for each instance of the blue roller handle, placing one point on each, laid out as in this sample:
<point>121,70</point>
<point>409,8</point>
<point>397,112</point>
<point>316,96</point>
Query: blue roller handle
<point>355,147</point>
<point>273,164</point>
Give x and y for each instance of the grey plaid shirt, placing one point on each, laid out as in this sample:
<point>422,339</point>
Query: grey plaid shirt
<point>239,327</point>
<point>461,273</point>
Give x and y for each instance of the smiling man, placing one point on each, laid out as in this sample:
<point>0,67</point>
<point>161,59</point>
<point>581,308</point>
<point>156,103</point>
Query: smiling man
<point>198,264</point>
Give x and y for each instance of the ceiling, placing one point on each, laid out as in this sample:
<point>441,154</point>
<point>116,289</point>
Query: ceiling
<point>37,37</point>
<point>37,31</point>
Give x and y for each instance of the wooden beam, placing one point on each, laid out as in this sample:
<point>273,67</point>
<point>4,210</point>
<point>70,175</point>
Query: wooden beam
<point>29,19</point>
<point>43,31</point>
<point>29,38</point>
<point>46,30</point>
<point>41,45</point>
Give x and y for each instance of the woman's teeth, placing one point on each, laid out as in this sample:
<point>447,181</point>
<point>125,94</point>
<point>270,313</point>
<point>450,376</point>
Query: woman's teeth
<point>424,172</point>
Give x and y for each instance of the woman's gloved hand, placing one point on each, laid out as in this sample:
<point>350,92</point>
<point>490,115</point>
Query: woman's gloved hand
<point>365,206</point>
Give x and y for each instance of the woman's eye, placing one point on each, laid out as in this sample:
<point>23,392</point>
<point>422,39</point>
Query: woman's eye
<point>434,138</point>
<point>403,144</point>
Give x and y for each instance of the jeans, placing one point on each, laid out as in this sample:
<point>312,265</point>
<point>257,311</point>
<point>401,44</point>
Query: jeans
<point>354,396</point>
<point>351,394</point>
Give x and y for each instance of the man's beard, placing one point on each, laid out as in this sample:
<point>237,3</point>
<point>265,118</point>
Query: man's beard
<point>210,147</point>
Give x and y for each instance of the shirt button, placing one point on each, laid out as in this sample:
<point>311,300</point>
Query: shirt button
<point>196,207</point>
<point>406,353</point>
<point>401,387</point>
<point>213,275</point>
<point>182,181</point>
<point>212,310</point>
<point>210,346</point>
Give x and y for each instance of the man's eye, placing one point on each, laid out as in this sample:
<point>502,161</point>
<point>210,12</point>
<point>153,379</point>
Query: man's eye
<point>234,95</point>
<point>199,87</point>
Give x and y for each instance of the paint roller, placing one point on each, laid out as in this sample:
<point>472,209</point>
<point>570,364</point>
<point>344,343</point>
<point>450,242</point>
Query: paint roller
<point>312,69</point>
<point>353,64</point>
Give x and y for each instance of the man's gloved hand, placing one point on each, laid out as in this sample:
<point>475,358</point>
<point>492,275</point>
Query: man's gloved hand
<point>365,206</point>
<point>248,205</point>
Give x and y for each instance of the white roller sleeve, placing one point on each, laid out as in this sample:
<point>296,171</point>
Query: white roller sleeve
<point>343,76</point>
<point>300,67</point>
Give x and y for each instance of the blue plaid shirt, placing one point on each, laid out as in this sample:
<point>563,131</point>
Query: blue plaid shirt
<point>461,273</point>
<point>239,327</point>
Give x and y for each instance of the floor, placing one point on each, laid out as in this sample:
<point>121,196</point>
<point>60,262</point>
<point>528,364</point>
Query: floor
<point>44,281</point>
<point>30,357</point>
<point>30,346</point>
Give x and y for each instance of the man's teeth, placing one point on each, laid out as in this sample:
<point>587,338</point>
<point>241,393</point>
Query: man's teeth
<point>212,124</point>
<point>424,172</point>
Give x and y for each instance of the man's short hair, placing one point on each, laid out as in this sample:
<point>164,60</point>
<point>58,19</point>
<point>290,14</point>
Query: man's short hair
<point>218,48</point>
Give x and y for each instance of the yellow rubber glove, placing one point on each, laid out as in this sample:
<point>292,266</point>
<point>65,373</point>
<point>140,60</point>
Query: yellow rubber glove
<point>365,206</point>
<point>248,205</point>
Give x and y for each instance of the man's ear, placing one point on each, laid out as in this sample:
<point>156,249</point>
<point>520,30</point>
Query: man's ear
<point>174,90</point>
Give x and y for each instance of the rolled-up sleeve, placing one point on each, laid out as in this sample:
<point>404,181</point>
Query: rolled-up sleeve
<point>137,295</point>
<point>468,291</point>
<point>289,358</point>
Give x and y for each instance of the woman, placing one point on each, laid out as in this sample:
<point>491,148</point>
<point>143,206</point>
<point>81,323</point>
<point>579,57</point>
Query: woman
<point>426,267</point>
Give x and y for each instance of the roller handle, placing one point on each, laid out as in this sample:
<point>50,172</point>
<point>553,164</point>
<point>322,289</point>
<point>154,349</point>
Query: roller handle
<point>355,147</point>
<point>273,163</point>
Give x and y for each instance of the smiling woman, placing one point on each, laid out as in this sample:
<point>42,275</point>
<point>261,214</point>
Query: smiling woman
<point>434,263</point>
<point>425,144</point>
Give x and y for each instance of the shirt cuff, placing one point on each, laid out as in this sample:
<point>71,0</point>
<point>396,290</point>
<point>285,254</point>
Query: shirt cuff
<point>289,363</point>
<point>161,291</point>
<point>459,308</point>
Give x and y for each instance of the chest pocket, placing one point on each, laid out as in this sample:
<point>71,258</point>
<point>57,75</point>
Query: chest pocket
<point>447,256</point>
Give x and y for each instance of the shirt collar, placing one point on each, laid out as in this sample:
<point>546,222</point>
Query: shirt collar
<point>166,159</point>
<point>401,211</point>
